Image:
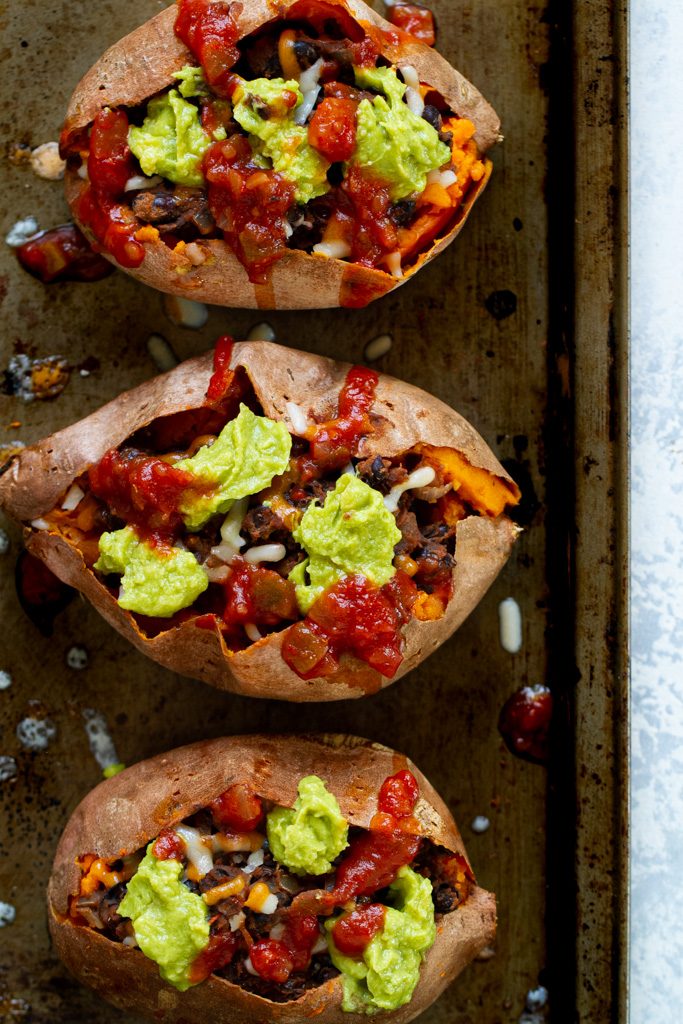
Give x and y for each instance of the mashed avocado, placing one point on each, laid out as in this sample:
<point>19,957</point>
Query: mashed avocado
<point>156,582</point>
<point>171,923</point>
<point>396,145</point>
<point>249,451</point>
<point>260,108</point>
<point>351,533</point>
<point>171,141</point>
<point>389,970</point>
<point>307,837</point>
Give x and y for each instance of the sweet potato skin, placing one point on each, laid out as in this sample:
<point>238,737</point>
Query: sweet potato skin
<point>299,280</point>
<point>124,813</point>
<point>403,416</point>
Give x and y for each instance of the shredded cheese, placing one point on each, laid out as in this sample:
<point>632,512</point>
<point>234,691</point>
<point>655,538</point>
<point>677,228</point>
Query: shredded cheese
<point>297,418</point>
<point>309,85</point>
<point>196,849</point>
<point>224,890</point>
<point>420,477</point>
<point>73,498</point>
<point>231,542</point>
<point>265,553</point>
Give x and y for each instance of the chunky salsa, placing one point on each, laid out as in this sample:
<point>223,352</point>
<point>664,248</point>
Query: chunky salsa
<point>227,876</point>
<point>299,136</point>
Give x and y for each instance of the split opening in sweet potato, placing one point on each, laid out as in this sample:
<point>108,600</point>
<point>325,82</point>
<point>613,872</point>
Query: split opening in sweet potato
<point>300,136</point>
<point>277,900</point>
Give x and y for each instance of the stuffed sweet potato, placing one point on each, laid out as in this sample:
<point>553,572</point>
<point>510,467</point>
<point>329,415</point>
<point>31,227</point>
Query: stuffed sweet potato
<point>267,878</point>
<point>284,526</point>
<point>291,155</point>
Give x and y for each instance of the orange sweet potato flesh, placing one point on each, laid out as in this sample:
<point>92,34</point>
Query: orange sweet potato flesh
<point>124,813</point>
<point>142,64</point>
<point>404,418</point>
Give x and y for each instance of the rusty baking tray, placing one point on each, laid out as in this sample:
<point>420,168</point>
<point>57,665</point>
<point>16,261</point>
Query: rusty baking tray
<point>521,326</point>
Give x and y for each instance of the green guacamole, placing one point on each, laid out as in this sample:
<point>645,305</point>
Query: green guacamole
<point>307,837</point>
<point>351,533</point>
<point>171,923</point>
<point>394,143</point>
<point>154,582</point>
<point>386,975</point>
<point>249,451</point>
<point>171,141</point>
<point>260,109</point>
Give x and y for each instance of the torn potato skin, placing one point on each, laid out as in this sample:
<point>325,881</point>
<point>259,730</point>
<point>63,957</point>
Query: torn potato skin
<point>211,272</point>
<point>125,813</point>
<point>403,419</point>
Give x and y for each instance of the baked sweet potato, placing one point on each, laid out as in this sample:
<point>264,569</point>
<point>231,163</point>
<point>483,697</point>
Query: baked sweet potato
<point>197,786</point>
<point>282,259</point>
<point>434,536</point>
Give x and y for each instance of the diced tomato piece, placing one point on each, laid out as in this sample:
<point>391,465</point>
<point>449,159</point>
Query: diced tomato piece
<point>332,129</point>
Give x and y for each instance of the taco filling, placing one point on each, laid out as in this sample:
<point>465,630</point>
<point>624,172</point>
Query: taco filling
<point>247,525</point>
<point>300,136</point>
<point>279,900</point>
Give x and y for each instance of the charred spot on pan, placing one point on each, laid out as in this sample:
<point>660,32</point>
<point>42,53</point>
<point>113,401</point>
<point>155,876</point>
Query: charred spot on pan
<point>501,304</point>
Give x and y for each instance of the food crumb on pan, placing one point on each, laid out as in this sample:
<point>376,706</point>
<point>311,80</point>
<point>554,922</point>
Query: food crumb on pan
<point>7,914</point>
<point>47,163</point>
<point>101,743</point>
<point>487,953</point>
<point>24,229</point>
<point>41,378</point>
<point>378,347</point>
<point>480,824</point>
<point>261,332</point>
<point>536,998</point>
<point>185,312</point>
<point>4,539</point>
<point>5,679</point>
<point>8,768</point>
<point>161,352</point>
<point>510,622</point>
<point>77,658</point>
<point>36,733</point>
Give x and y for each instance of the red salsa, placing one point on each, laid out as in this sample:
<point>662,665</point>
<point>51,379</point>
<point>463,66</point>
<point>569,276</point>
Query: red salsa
<point>334,442</point>
<point>416,20</point>
<point>353,616</point>
<point>145,491</point>
<point>219,952</point>
<point>238,809</point>
<point>276,959</point>
<point>222,376</point>
<point>258,595</point>
<point>353,932</point>
<point>249,204</point>
<point>209,30</point>
<point>62,254</point>
<point>110,165</point>
<point>524,722</point>
<point>168,845</point>
<point>332,129</point>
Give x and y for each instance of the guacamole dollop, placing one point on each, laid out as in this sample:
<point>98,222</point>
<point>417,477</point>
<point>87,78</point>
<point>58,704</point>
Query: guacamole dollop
<point>394,143</point>
<point>351,533</point>
<point>155,581</point>
<point>171,141</point>
<point>386,975</point>
<point>260,107</point>
<point>306,838</point>
<point>171,924</point>
<point>249,451</point>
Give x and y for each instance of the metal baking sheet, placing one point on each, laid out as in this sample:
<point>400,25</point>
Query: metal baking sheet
<point>521,326</point>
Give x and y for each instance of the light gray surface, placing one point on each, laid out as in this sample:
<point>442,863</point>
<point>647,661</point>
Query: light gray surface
<point>657,512</point>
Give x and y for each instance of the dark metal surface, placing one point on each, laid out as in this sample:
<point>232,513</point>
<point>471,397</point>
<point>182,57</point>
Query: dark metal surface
<point>545,385</point>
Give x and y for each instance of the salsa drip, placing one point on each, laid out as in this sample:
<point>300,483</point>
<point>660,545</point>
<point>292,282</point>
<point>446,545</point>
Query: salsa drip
<point>110,165</point>
<point>334,442</point>
<point>249,204</point>
<point>62,254</point>
<point>278,951</point>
